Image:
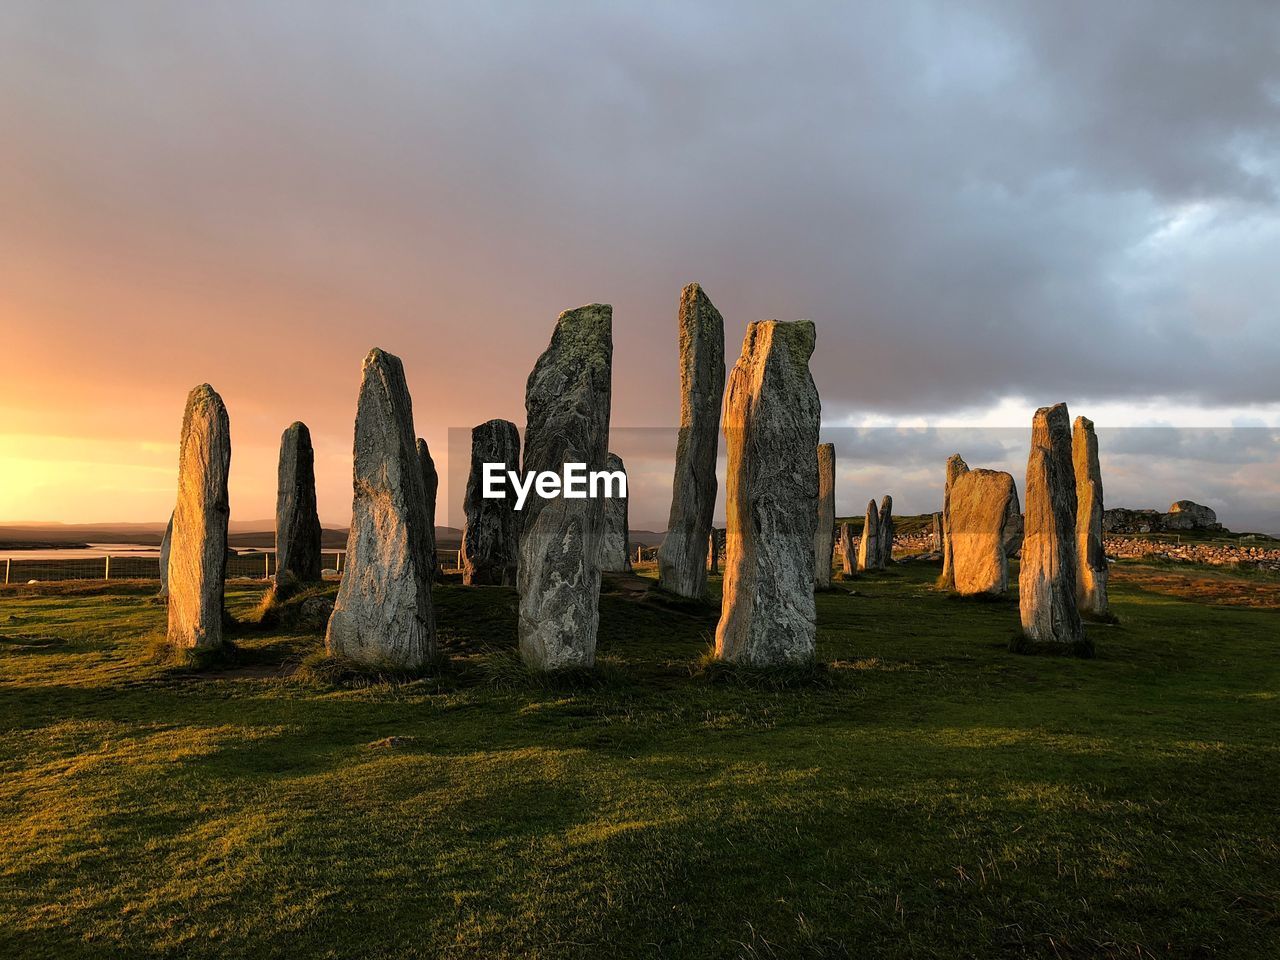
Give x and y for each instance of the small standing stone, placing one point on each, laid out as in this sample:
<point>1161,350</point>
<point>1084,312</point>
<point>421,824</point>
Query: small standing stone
<point>823,537</point>
<point>1091,577</point>
<point>956,467</point>
<point>682,562</point>
<point>869,544</point>
<point>430,486</point>
<point>491,535</point>
<point>383,614</point>
<point>771,416</point>
<point>198,547</point>
<point>885,536</point>
<point>848,552</point>
<point>615,535</point>
<point>715,549</point>
<point>937,533</point>
<point>567,401</point>
<point>984,505</point>
<point>297,522</point>
<point>1047,576</point>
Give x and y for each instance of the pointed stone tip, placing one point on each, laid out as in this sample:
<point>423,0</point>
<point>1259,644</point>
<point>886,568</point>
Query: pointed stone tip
<point>1082,423</point>
<point>203,396</point>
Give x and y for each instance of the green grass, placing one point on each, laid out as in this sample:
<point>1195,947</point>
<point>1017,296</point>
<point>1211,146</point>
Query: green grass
<point>923,792</point>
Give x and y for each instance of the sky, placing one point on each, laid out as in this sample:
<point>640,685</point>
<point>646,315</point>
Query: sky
<point>984,207</point>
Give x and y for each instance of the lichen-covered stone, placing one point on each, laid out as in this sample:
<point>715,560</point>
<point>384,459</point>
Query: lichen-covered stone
<point>198,546</point>
<point>1091,574</point>
<point>983,505</point>
<point>956,467</point>
<point>824,533</point>
<point>430,487</point>
<point>1047,574</point>
<point>567,401</point>
<point>884,537</point>
<point>869,544</point>
<point>383,614</point>
<point>297,522</point>
<point>615,535</point>
<point>682,558</point>
<point>771,417</point>
<point>491,535</point>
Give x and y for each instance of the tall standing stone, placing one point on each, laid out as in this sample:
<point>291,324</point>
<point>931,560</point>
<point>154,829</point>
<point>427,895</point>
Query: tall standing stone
<point>984,507</point>
<point>383,614</point>
<point>869,544</point>
<point>198,547</point>
<point>884,556</point>
<point>848,552</point>
<point>297,522</point>
<point>956,467</point>
<point>1047,577</point>
<point>567,401</point>
<point>682,557</point>
<point>165,544</point>
<point>615,534</point>
<point>824,534</point>
<point>1091,575</point>
<point>491,535</point>
<point>771,418</point>
<point>430,487</point>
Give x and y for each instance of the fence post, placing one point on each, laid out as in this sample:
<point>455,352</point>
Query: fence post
<point>337,561</point>
<point>106,572</point>
<point>7,562</point>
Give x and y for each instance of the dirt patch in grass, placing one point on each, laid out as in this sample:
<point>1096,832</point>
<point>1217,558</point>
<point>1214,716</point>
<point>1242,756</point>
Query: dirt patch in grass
<point>1201,586</point>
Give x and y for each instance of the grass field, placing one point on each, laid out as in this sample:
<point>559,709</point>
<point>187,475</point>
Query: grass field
<point>928,795</point>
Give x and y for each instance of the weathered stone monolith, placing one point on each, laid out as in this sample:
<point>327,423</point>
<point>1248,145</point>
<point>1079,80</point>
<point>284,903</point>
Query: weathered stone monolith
<point>1047,576</point>
<point>956,467</point>
<point>383,614</point>
<point>163,593</point>
<point>884,538</point>
<point>491,535</point>
<point>848,552</point>
<point>430,487</point>
<point>615,534</point>
<point>567,400</point>
<point>198,546</point>
<point>824,533</point>
<point>983,505</point>
<point>771,416</point>
<point>869,544</point>
<point>682,558</point>
<point>715,549</point>
<point>1091,574</point>
<point>297,522</point>
<point>937,533</point>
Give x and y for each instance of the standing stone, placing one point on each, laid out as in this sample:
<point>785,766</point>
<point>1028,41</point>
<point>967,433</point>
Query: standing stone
<point>567,401</point>
<point>1091,575</point>
<point>824,534</point>
<point>430,487</point>
<point>771,418</point>
<point>937,533</point>
<point>715,549</point>
<point>165,543</point>
<point>198,547</point>
<point>984,504</point>
<point>956,467</point>
<point>297,522</point>
<point>682,560</point>
<point>491,534</point>
<point>1047,577</point>
<point>884,556</point>
<point>869,544</point>
<point>383,614</point>
<point>615,534</point>
<point>848,552</point>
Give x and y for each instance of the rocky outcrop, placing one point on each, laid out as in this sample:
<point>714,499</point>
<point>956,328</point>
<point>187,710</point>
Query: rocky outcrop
<point>491,535</point>
<point>1182,515</point>
<point>869,544</point>
<point>614,557</point>
<point>1091,572</point>
<point>956,467</point>
<point>383,615</point>
<point>1047,576</point>
<point>567,400</point>
<point>984,506</point>
<point>430,487</point>
<point>824,533</point>
<point>771,416</point>
<point>682,558</point>
<point>198,546</point>
<point>884,537</point>
<point>297,522</point>
<point>1189,515</point>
